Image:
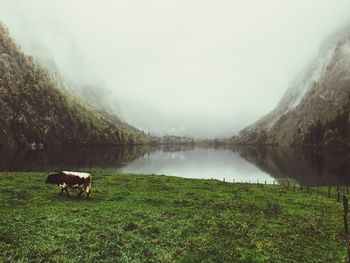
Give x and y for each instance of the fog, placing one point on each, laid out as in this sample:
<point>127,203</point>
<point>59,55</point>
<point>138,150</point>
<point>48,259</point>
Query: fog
<point>199,68</point>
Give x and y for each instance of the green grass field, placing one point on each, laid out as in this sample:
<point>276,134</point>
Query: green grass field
<point>136,218</point>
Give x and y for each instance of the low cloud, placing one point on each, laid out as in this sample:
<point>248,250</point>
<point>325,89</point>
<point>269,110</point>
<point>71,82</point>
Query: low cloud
<point>199,68</point>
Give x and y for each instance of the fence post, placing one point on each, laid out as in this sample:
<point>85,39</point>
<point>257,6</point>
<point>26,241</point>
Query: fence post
<point>345,205</point>
<point>346,226</point>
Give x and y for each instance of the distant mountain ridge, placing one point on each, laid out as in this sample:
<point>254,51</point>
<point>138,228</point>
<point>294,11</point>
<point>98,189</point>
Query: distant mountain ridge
<point>314,111</point>
<point>35,108</point>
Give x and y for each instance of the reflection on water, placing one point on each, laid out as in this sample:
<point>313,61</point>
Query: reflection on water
<point>75,158</point>
<point>199,163</point>
<point>236,164</point>
<point>308,167</point>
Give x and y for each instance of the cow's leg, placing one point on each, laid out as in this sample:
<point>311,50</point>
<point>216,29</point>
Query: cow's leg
<point>88,193</point>
<point>66,189</point>
<point>81,191</point>
<point>61,188</point>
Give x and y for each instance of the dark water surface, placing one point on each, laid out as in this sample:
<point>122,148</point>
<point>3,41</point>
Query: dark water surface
<point>241,164</point>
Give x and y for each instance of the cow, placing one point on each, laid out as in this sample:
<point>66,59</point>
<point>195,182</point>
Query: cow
<point>73,180</point>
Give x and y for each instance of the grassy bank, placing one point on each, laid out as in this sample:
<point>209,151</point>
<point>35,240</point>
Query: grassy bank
<point>132,218</point>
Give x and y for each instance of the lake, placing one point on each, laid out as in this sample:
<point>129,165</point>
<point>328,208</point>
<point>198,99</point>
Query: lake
<point>202,163</point>
<point>238,164</point>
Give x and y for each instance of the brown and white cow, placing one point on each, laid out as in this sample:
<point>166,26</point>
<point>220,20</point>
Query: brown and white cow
<point>73,180</point>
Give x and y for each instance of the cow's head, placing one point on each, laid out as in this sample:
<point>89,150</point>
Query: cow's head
<point>52,178</point>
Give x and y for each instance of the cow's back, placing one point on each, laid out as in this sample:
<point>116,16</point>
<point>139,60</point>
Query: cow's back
<point>77,179</point>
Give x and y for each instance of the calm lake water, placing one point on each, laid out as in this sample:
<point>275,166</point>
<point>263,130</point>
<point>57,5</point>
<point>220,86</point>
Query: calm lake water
<point>241,164</point>
<point>199,163</point>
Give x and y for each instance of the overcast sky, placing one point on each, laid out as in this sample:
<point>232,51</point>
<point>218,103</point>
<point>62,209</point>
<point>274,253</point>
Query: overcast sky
<point>201,68</point>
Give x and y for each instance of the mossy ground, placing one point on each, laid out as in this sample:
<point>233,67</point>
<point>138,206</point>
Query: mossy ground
<point>137,218</point>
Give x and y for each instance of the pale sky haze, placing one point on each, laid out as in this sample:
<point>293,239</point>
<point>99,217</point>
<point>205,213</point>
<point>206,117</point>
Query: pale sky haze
<point>200,68</point>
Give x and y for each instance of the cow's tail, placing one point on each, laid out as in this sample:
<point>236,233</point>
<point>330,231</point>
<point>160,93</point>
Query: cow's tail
<point>88,188</point>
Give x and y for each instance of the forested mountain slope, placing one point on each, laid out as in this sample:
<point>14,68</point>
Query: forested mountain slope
<point>315,109</point>
<point>35,108</point>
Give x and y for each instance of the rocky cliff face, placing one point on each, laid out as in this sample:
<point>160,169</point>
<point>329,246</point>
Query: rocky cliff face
<point>315,109</point>
<point>35,108</point>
